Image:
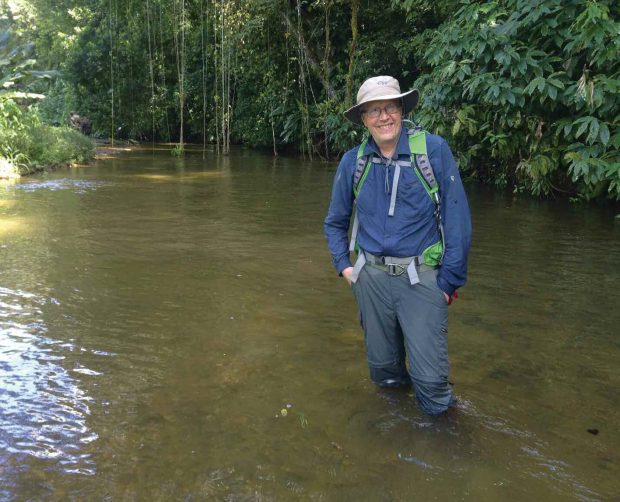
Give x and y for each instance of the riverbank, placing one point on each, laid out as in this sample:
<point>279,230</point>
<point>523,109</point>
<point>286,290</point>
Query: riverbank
<point>27,146</point>
<point>105,150</point>
<point>11,170</point>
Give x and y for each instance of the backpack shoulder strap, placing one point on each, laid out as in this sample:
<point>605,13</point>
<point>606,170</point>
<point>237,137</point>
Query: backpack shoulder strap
<point>422,167</point>
<point>361,169</point>
<point>421,163</point>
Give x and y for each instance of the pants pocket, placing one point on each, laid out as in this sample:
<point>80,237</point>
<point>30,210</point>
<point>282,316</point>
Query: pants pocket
<point>429,280</point>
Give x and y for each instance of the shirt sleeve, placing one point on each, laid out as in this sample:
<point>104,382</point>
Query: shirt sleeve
<point>456,219</point>
<point>336,225</point>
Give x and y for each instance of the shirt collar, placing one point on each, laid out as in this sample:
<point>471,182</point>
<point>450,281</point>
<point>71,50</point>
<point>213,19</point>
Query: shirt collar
<point>402,147</point>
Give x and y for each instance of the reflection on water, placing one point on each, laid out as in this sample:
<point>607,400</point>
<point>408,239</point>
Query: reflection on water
<point>43,411</point>
<point>176,178</point>
<point>12,225</point>
<point>157,315</point>
<point>77,186</point>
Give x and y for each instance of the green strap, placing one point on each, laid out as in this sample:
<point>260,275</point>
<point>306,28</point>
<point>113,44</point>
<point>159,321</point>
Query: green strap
<point>358,187</point>
<point>432,255</point>
<point>432,191</point>
<point>417,146</point>
<point>360,150</point>
<point>361,173</point>
<point>417,143</point>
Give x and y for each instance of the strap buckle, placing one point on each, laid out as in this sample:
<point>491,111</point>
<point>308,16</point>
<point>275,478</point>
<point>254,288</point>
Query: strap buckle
<point>395,269</point>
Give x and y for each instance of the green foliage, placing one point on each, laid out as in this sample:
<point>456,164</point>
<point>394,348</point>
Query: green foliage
<point>15,127</point>
<point>18,71</point>
<point>259,120</point>
<point>341,134</point>
<point>178,150</point>
<point>59,102</point>
<point>27,143</point>
<point>528,93</point>
<point>53,146</point>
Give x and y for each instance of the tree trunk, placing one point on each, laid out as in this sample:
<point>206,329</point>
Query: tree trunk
<point>148,31</point>
<point>163,73</point>
<point>204,75</point>
<point>310,58</point>
<point>182,75</point>
<point>179,46</point>
<point>215,82</point>
<point>223,76</point>
<point>352,48</point>
<point>326,67</point>
<point>111,77</point>
<point>269,65</point>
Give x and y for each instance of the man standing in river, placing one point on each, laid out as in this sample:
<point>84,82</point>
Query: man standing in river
<point>412,233</point>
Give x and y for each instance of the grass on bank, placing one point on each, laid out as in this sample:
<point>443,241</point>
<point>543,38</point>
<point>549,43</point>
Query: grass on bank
<point>28,145</point>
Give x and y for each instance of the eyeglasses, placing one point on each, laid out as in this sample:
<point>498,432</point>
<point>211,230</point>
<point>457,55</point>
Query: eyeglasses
<point>390,109</point>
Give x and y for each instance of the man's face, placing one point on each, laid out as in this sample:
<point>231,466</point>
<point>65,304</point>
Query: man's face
<point>383,121</point>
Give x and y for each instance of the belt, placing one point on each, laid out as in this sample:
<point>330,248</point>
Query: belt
<point>393,265</point>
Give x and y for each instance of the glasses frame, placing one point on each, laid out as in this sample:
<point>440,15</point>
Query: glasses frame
<point>399,109</point>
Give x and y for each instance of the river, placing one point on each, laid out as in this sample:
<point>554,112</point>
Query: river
<point>172,329</point>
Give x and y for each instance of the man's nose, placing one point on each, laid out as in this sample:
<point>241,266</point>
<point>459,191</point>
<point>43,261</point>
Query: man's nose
<point>382,111</point>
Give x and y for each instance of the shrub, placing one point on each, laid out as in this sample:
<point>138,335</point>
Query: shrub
<point>529,93</point>
<point>27,143</point>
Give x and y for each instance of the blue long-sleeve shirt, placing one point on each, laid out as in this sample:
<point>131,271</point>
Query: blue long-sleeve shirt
<point>413,227</point>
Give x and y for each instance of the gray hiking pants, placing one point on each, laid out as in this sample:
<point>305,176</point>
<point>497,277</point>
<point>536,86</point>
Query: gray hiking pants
<point>401,322</point>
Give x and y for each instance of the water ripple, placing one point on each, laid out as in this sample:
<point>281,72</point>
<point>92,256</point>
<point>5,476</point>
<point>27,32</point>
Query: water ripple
<point>77,186</point>
<point>412,459</point>
<point>43,411</point>
<point>536,463</point>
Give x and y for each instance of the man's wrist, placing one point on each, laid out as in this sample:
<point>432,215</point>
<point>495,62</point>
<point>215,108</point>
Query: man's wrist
<point>343,266</point>
<point>445,287</point>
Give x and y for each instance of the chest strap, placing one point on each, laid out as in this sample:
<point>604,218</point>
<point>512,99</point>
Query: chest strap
<point>421,166</point>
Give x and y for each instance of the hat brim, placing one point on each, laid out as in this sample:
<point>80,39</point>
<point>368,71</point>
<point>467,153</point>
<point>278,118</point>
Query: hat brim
<point>410,100</point>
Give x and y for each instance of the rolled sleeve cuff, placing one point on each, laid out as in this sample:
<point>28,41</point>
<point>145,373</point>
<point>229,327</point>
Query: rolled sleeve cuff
<point>445,286</point>
<point>343,263</point>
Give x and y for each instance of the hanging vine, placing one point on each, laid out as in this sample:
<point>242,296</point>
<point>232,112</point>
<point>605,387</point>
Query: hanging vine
<point>303,88</point>
<point>204,23</point>
<point>151,73</point>
<point>110,13</point>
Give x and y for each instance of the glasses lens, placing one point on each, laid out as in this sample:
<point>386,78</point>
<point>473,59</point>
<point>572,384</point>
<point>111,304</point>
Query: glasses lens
<point>390,109</point>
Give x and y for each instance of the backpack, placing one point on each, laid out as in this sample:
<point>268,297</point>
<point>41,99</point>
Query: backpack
<point>421,165</point>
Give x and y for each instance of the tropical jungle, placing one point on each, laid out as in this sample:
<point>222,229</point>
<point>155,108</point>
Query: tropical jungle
<point>525,91</point>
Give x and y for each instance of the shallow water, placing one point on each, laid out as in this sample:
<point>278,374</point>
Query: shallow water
<point>158,314</point>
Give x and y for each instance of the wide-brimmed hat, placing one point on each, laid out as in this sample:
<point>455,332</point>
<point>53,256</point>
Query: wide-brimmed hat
<point>379,88</point>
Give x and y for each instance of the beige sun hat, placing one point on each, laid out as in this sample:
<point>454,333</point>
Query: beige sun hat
<point>378,88</point>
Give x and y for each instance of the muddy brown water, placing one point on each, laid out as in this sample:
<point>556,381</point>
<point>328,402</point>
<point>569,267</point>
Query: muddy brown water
<point>158,314</point>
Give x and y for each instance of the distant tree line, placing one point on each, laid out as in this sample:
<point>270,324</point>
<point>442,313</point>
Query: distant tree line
<point>527,92</point>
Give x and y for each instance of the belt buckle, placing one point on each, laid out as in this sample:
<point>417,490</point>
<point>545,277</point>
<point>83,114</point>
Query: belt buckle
<point>393,269</point>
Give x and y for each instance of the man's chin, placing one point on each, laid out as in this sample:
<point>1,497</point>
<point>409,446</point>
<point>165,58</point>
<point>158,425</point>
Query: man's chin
<point>386,138</point>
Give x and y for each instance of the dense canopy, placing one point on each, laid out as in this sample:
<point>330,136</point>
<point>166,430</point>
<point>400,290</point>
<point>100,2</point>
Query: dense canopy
<point>525,91</point>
